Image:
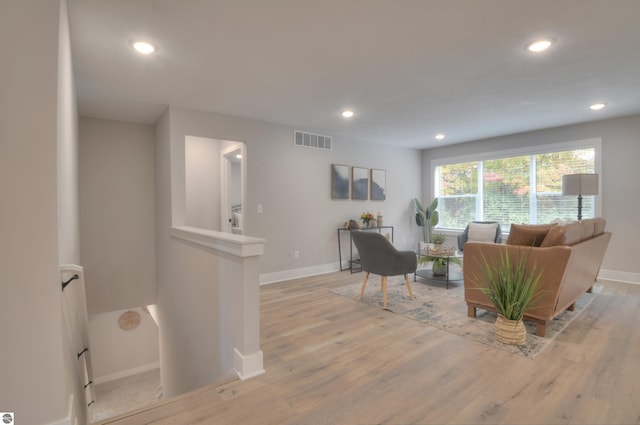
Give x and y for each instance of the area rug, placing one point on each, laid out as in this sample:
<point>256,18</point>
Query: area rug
<point>443,308</point>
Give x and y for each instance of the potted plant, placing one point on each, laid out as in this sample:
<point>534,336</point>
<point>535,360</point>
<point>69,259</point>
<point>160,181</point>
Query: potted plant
<point>512,287</point>
<point>439,263</point>
<point>426,218</point>
<point>438,255</point>
<point>438,239</point>
<point>439,267</point>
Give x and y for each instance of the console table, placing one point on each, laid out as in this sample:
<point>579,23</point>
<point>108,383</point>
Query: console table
<point>356,262</point>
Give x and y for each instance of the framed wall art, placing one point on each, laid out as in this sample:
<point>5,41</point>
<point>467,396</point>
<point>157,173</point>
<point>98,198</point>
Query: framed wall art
<point>339,181</point>
<point>378,185</point>
<point>360,183</point>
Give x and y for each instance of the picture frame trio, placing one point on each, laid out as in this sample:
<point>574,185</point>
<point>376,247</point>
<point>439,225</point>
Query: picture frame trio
<point>361,183</point>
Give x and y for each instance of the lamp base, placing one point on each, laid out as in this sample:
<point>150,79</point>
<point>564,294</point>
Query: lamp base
<point>579,207</point>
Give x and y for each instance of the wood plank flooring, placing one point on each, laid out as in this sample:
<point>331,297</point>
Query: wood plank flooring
<point>331,360</point>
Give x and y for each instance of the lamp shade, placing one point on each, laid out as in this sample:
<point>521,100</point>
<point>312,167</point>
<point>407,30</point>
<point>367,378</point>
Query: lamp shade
<point>580,184</point>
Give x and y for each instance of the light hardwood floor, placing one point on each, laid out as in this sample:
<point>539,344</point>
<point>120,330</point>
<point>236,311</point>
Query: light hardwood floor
<point>331,360</point>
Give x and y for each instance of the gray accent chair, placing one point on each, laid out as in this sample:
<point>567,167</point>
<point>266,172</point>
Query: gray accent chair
<point>464,236</point>
<point>379,256</point>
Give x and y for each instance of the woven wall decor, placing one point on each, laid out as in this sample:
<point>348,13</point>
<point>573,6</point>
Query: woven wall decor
<point>129,320</point>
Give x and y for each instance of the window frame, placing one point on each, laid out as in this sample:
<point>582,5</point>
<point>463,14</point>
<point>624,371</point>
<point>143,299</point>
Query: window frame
<point>593,143</point>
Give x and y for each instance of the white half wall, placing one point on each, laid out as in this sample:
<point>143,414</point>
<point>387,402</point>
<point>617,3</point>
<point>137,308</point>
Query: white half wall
<point>202,182</point>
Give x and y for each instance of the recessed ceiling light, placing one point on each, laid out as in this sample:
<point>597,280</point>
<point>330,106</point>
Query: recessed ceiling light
<point>239,156</point>
<point>440,136</point>
<point>143,47</point>
<point>347,114</point>
<point>540,45</point>
<point>597,106</point>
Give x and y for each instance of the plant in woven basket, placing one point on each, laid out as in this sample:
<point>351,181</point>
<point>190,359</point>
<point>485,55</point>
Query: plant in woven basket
<point>512,287</point>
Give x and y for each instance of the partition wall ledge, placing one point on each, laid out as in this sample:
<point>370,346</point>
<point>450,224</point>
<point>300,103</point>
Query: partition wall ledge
<point>238,245</point>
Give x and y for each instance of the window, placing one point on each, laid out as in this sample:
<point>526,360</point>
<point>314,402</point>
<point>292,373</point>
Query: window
<point>511,187</point>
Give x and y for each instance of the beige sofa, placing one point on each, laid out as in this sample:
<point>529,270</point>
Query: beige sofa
<point>569,254</point>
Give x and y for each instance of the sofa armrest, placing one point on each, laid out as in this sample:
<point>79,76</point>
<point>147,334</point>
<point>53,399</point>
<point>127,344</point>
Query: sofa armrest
<point>462,239</point>
<point>583,269</point>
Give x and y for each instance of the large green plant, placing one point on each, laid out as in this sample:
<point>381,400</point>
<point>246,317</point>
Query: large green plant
<point>510,284</point>
<point>427,218</point>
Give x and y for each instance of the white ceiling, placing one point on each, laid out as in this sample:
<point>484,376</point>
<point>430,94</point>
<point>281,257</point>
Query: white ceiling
<point>408,68</point>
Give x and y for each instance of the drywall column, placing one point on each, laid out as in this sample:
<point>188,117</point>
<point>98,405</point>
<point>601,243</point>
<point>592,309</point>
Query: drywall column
<point>247,356</point>
<point>241,283</point>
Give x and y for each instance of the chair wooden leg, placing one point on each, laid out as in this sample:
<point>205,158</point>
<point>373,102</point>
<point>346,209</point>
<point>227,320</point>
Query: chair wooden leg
<point>384,290</point>
<point>406,278</point>
<point>364,283</point>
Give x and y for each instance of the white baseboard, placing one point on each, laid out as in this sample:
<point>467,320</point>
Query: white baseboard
<point>284,275</point>
<point>71,418</point>
<point>281,276</point>
<point>619,276</point>
<point>125,373</point>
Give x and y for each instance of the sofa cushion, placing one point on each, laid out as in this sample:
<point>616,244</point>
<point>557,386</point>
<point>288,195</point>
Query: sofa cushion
<point>482,232</point>
<point>568,234</point>
<point>587,229</point>
<point>598,225</point>
<point>528,234</point>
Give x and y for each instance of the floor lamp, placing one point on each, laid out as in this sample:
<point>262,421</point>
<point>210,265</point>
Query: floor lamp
<point>580,184</point>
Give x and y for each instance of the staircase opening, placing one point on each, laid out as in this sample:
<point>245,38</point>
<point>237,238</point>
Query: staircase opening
<point>125,361</point>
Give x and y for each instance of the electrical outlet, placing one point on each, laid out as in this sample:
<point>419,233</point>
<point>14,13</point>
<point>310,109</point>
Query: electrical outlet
<point>259,208</point>
<point>296,254</point>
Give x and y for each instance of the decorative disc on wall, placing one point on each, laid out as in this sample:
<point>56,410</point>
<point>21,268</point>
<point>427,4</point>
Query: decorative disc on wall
<point>129,320</point>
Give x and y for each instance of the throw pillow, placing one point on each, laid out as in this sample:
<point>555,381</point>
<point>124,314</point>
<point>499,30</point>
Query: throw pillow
<point>569,234</point>
<point>528,234</point>
<point>482,232</point>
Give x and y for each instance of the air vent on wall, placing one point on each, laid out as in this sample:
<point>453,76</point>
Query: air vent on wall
<point>311,140</point>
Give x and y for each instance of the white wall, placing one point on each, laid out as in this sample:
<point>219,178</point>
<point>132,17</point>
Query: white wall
<point>117,214</point>
<point>293,186</point>
<point>619,177</point>
<point>118,352</point>
<point>202,181</point>
<point>32,370</point>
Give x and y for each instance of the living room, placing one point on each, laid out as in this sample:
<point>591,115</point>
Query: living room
<point>291,184</point>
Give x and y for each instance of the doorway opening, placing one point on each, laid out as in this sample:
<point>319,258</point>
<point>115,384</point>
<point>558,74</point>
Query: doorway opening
<point>232,192</point>
<point>215,187</point>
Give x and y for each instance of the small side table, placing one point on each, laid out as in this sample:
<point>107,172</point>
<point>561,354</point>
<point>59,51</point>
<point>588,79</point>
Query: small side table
<point>448,276</point>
